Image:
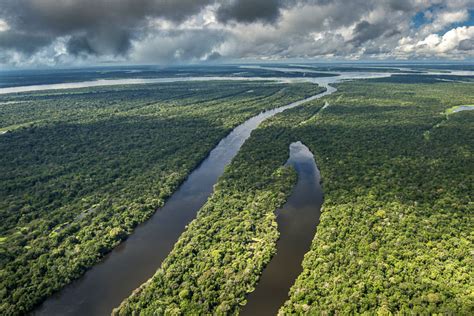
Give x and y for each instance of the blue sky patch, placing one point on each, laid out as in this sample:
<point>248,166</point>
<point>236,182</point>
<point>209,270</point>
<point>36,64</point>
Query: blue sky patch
<point>419,19</point>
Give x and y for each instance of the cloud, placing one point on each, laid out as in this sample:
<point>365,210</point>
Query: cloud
<point>443,19</point>
<point>365,31</point>
<point>178,46</point>
<point>170,31</point>
<point>248,11</point>
<point>4,26</point>
<point>454,42</point>
<point>99,26</point>
<point>466,45</point>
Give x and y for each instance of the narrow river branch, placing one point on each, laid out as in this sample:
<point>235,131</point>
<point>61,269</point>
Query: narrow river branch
<point>135,260</point>
<point>297,221</point>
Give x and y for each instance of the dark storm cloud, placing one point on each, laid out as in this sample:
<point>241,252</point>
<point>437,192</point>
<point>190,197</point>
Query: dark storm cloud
<point>248,11</point>
<point>82,31</point>
<point>23,41</point>
<point>365,31</point>
<point>103,41</point>
<point>80,45</point>
<point>95,26</point>
<point>178,46</point>
<point>401,5</point>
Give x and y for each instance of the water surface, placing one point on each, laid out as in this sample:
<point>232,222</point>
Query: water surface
<point>463,108</point>
<point>297,221</point>
<point>137,81</point>
<point>135,260</point>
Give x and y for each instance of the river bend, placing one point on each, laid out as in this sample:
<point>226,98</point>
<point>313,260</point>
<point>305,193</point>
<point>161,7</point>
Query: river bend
<point>297,220</point>
<point>135,260</point>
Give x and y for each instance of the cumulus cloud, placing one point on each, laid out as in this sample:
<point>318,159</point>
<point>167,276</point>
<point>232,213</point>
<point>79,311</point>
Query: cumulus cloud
<point>165,31</point>
<point>456,40</point>
<point>442,19</point>
<point>178,46</point>
<point>4,26</point>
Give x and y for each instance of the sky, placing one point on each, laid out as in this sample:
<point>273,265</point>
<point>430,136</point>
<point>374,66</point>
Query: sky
<point>35,33</point>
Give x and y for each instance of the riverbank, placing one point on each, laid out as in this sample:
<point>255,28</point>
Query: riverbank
<point>100,290</point>
<point>297,220</point>
<point>95,164</point>
<point>218,259</point>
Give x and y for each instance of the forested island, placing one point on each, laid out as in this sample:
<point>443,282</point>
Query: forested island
<point>80,169</point>
<point>396,228</point>
<point>236,157</point>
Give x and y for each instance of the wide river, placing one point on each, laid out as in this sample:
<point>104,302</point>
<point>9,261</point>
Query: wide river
<point>134,261</point>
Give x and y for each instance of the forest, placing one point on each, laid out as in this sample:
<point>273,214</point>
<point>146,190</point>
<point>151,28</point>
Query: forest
<point>396,230</point>
<point>80,169</point>
<point>219,258</point>
<point>396,226</point>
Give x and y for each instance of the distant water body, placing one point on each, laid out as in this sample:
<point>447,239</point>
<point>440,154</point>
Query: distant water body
<point>463,108</point>
<point>137,81</point>
<point>115,82</point>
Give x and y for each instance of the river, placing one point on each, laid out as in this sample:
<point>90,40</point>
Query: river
<point>135,260</point>
<point>136,81</point>
<point>297,221</point>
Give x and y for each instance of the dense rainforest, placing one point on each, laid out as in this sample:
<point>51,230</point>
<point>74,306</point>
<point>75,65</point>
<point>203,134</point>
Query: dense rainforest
<point>81,168</point>
<point>396,229</point>
<point>220,256</point>
<point>396,232</point>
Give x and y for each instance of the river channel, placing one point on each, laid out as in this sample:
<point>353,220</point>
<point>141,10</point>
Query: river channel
<point>297,220</point>
<point>134,261</point>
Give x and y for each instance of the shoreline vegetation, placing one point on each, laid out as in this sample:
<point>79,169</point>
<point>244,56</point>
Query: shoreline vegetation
<point>217,261</point>
<point>395,230</point>
<point>82,168</point>
<point>99,162</point>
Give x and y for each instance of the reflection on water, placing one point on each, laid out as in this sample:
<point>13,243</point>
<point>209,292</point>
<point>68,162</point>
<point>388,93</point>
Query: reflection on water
<point>297,221</point>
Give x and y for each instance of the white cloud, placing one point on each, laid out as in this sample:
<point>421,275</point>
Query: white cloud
<point>4,26</point>
<point>451,40</point>
<point>444,19</point>
<point>447,44</point>
<point>316,29</point>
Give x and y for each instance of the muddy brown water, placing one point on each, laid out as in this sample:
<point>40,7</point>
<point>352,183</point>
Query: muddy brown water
<point>297,220</point>
<point>134,261</point>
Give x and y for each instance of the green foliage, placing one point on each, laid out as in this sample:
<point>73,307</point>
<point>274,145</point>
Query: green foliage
<point>394,237</point>
<point>221,255</point>
<point>81,168</point>
<point>396,232</point>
